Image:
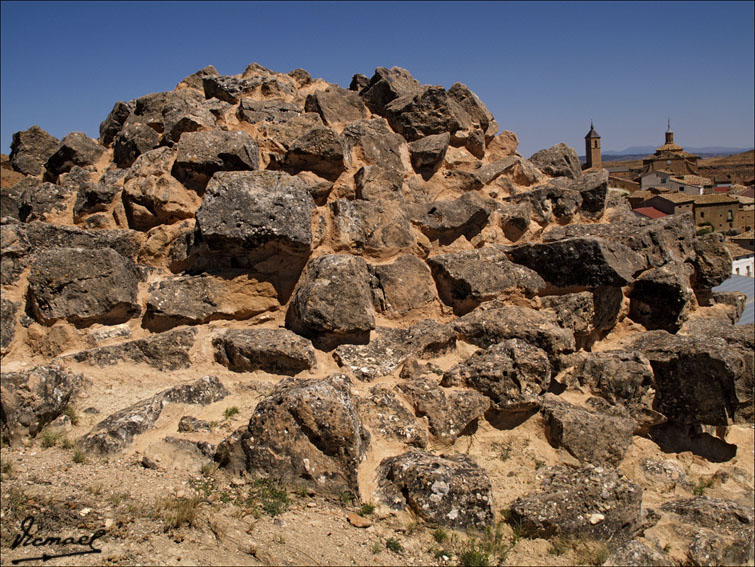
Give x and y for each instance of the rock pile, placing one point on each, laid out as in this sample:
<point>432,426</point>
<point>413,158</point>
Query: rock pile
<point>277,225</point>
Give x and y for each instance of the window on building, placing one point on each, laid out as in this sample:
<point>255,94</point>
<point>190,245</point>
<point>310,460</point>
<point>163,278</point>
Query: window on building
<point>702,214</point>
<point>596,144</point>
<point>748,271</point>
<point>736,270</point>
<point>729,215</point>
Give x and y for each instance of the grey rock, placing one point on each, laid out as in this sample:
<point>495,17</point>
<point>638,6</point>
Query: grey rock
<point>308,433</point>
<point>267,111</point>
<point>713,262</point>
<point>202,154</point>
<point>660,298</point>
<point>319,150</point>
<point>132,140</point>
<point>427,153</point>
<point>558,161</point>
<point>301,77</point>
<point>554,201</point>
<point>390,348</point>
<point>110,127</point>
<point>640,554</point>
<point>446,221</point>
<point>227,88</point>
<point>373,143</point>
<point>593,187</point>
<point>370,226</point>
<point>570,497</point>
<point>588,314</point>
<point>735,301</point>
<point>403,286</point>
<point>94,198</point>
<point>204,391</point>
<point>164,351</point>
<point>188,424</point>
<point>467,279</point>
<point>277,351</point>
<point>75,148</point>
<point>512,373</point>
<point>449,413</point>
<point>590,436</point>
<point>376,183</point>
<point>8,311</point>
<point>515,220</point>
<point>476,109</point>
<point>601,262</point>
<point>33,398</point>
<point>336,105</point>
<point>445,490</point>
<point>385,415</point>
<point>42,199</point>
<point>243,211</point>
<point>30,150</point>
<point>359,82</point>
<point>83,286</point>
<point>387,85</point>
<point>426,112</point>
<point>196,80</point>
<point>333,303</point>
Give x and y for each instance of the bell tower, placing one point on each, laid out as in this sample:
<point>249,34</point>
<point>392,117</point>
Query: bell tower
<point>669,133</point>
<point>592,148</point>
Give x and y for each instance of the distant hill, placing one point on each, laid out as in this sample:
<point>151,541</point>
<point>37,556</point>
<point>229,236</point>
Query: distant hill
<point>646,150</point>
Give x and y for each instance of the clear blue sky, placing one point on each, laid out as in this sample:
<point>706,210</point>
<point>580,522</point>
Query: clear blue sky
<point>543,68</point>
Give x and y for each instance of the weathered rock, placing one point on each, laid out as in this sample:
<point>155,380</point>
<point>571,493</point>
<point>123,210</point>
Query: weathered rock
<point>227,88</point>
<point>119,429</point>
<point>601,262</point>
<point>134,139</point>
<point>8,311</point>
<point>449,413</point>
<point>30,150</point>
<point>481,117</point>
<point>75,148</point>
<point>110,127</point>
<point>640,554</point>
<point>446,221</point>
<point>386,416</point>
<point>319,150</point>
<point>698,379</point>
<point>267,111</point>
<point>188,424</point>
<point>152,196</point>
<point>194,300</point>
<point>372,142</point>
<point>446,490</point>
<point>377,183</point>
<point>512,373</point>
<point>196,80</point>
<point>515,220</point>
<point>244,211</point>
<point>713,262</point>
<point>359,82</point>
<point>593,187</point>
<point>202,154</point>
<point>424,113</point>
<point>333,303</point>
<point>83,286</point>
<point>230,451</point>
<point>486,327</point>
<point>554,201</point>
<point>93,198</point>
<point>660,298</point>
<point>308,433</point>
<point>336,105</point>
<point>391,347</point>
<point>466,279</point>
<point>570,497</point>
<point>387,85</point>
<point>427,153</point>
<point>588,314</point>
<point>42,199</point>
<point>403,286</point>
<point>502,145</point>
<point>370,226</point>
<point>301,77</point>
<point>592,437</point>
<point>277,351</point>
<point>735,302</point>
<point>558,161</point>
<point>164,351</point>
<point>33,398</point>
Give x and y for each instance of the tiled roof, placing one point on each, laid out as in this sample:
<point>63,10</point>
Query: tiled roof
<point>713,199</point>
<point>749,235</point>
<point>738,251</point>
<point>678,198</point>
<point>694,180</point>
<point>650,212</point>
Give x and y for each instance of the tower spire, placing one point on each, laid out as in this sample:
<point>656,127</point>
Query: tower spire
<point>668,128</point>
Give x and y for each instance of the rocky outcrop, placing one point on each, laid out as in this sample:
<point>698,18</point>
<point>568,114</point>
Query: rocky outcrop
<point>446,490</point>
<point>336,105</point>
<point>385,416</point>
<point>31,399</point>
<point>278,351</point>
<point>660,298</point>
<point>308,433</point>
<point>446,221</point>
<point>558,161</point>
<point>8,311</point>
<point>370,227</point>
<point>403,286</point>
<point>30,150</point>
<point>74,149</point>
<point>588,314</point>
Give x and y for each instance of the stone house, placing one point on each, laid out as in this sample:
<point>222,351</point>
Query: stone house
<point>718,210</point>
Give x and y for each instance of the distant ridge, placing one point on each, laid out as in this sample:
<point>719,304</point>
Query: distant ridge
<point>645,150</point>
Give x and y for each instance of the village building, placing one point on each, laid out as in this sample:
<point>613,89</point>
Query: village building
<point>592,149</point>
<point>671,158</point>
<point>715,210</point>
<point>743,260</point>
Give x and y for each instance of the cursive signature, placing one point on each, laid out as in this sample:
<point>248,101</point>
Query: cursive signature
<point>27,537</point>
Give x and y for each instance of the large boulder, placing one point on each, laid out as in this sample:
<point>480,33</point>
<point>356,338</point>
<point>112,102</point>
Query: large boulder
<point>370,226</point>
<point>449,413</point>
<point>134,139</point>
<point>267,111</point>
<point>336,105</point>
<point>94,198</point>
<point>601,262</point>
<point>41,200</point>
<point>660,298</point>
<point>164,351</point>
<point>403,286</point>
<point>588,314</point>
<point>558,161</point>
<point>110,127</point>
<point>277,351</point>
<point>713,262</point>
<point>587,502</point>
<point>553,201</point>
<point>202,154</point>
<point>512,373</point>
<point>385,416</point>
<point>427,112</point>
<point>193,300</point>
<point>427,153</point>
<point>308,433</point>
<point>446,221</point>
<point>319,150</point>
<point>445,490</point>
<point>243,211</point>
<point>30,150</point>
<point>481,117</point>
<point>466,279</point>
<point>390,348</point>
<point>74,149</point>
<point>376,183</point>
<point>33,398</point>
<point>333,302</point>
<point>83,286</point>
<point>372,142</point>
<point>387,85</point>
<point>590,436</point>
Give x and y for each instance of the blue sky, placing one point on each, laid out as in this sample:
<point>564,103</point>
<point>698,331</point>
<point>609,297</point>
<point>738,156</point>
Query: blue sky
<point>544,69</point>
